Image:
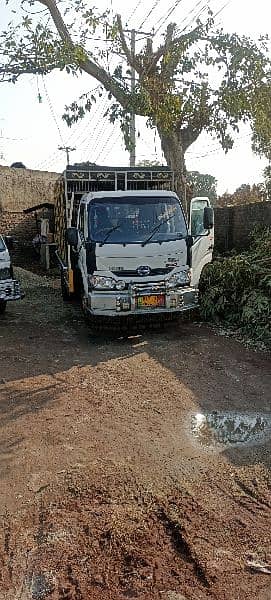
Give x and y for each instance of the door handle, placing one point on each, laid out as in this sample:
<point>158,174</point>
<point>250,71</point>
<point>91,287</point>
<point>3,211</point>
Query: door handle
<point>211,247</point>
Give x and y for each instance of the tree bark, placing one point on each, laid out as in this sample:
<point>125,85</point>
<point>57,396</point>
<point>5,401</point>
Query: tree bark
<point>173,148</point>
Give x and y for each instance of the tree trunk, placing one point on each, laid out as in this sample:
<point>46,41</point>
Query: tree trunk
<point>172,147</point>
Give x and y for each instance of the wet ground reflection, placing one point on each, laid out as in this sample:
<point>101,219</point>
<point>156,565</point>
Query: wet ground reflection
<point>228,428</point>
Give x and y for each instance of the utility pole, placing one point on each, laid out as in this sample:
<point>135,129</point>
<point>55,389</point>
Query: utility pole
<point>133,34</point>
<point>67,149</point>
<point>132,120</point>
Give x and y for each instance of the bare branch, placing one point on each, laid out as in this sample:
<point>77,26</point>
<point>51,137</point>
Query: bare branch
<point>131,59</point>
<point>171,43</point>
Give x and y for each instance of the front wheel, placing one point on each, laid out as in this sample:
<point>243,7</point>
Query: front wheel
<point>3,306</point>
<point>65,294</point>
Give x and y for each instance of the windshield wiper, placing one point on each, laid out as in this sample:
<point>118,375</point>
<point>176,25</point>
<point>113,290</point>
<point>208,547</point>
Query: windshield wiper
<point>153,231</point>
<point>108,234</point>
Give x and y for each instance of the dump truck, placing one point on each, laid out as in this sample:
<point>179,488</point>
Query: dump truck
<point>9,287</point>
<point>124,244</point>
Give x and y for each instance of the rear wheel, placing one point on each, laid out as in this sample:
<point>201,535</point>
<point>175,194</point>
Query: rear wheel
<point>3,306</point>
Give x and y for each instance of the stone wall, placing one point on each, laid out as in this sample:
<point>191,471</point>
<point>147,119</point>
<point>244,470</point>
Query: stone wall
<point>23,188</point>
<point>234,224</point>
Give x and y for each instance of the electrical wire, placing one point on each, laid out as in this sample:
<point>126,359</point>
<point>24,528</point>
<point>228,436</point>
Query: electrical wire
<point>134,11</point>
<point>194,18</point>
<point>164,18</point>
<point>150,12</point>
<point>103,147</point>
<point>111,147</point>
<point>91,149</point>
<point>52,110</point>
<point>222,8</point>
<point>216,149</point>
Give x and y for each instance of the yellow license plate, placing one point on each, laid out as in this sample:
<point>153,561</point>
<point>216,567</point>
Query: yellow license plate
<point>150,301</point>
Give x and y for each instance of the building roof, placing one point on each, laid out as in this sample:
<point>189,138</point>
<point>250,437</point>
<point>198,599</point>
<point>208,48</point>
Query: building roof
<point>38,207</point>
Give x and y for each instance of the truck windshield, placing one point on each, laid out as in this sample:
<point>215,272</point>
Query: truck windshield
<point>136,219</point>
<point>2,245</point>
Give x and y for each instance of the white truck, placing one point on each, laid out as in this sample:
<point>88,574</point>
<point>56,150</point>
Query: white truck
<point>124,244</point>
<point>9,287</point>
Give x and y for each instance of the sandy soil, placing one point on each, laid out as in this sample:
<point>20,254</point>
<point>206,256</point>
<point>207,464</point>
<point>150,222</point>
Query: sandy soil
<point>105,491</point>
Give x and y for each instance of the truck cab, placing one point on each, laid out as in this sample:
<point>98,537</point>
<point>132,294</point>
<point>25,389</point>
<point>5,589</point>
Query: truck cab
<point>9,287</point>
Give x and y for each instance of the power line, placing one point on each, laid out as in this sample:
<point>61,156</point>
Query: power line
<point>102,149</point>
<point>216,149</point>
<point>134,11</point>
<point>99,140</point>
<point>222,8</point>
<point>113,144</point>
<point>194,18</point>
<point>52,110</point>
<point>164,18</point>
<point>150,12</point>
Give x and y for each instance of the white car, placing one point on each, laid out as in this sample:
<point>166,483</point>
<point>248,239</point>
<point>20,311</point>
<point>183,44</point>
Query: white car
<point>9,287</point>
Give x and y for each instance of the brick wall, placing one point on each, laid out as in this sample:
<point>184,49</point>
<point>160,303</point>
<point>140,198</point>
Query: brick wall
<point>18,225</point>
<point>234,224</point>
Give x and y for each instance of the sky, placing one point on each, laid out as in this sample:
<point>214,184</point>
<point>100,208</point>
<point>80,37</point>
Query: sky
<point>31,130</point>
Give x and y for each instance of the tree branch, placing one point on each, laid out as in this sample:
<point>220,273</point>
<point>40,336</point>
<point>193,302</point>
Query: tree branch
<point>131,58</point>
<point>87,65</point>
<point>171,43</point>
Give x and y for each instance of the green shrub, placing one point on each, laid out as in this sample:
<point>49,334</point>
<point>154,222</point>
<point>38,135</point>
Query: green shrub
<point>237,290</point>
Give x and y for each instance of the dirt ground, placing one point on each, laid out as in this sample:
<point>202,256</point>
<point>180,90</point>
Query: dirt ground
<point>106,492</point>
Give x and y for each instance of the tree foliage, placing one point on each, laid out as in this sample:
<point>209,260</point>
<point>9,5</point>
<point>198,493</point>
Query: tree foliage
<point>236,291</point>
<point>245,194</point>
<point>202,184</point>
<point>201,79</point>
<point>267,181</point>
<point>148,163</point>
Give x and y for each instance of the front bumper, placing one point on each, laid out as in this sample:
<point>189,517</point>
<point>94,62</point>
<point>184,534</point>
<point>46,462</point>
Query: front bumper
<point>10,289</point>
<point>118,304</point>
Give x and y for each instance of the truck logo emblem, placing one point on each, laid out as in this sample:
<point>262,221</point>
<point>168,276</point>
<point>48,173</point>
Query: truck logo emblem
<point>143,271</point>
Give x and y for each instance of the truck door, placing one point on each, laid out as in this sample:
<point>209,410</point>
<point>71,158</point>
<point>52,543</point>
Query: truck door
<point>82,235</point>
<point>202,249</point>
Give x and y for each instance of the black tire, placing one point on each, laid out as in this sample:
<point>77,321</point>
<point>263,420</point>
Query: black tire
<point>3,306</point>
<point>65,294</point>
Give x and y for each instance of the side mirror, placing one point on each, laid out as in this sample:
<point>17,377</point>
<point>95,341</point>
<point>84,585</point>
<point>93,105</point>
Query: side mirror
<point>72,236</point>
<point>208,217</point>
<point>9,240</point>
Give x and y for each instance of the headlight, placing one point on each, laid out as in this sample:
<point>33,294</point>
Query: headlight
<point>179,279</point>
<point>5,273</point>
<point>120,285</point>
<point>102,283</point>
<point>98,282</point>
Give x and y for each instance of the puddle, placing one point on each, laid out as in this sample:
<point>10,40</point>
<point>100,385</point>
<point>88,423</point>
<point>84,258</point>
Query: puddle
<point>42,586</point>
<point>229,428</point>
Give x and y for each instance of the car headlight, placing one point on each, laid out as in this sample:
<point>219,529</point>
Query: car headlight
<point>179,279</point>
<point>5,273</point>
<point>99,282</point>
<point>120,285</point>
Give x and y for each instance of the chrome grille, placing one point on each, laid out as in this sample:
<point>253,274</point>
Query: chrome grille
<point>134,273</point>
<point>148,288</point>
